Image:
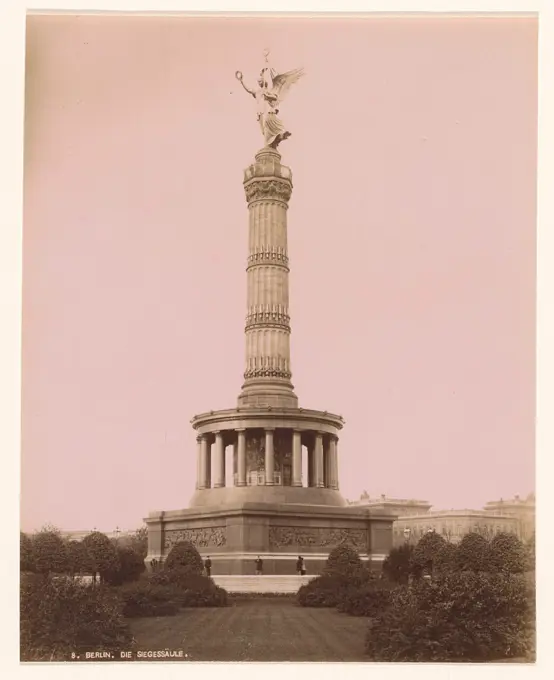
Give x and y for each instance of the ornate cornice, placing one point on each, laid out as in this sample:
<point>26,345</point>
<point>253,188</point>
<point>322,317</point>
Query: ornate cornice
<point>263,326</point>
<point>273,255</point>
<point>273,316</point>
<point>267,372</point>
<point>260,188</point>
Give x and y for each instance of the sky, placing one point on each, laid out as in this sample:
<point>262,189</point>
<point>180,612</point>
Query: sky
<point>411,243</point>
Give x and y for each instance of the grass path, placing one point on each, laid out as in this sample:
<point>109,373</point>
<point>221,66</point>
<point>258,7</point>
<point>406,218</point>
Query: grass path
<point>256,630</point>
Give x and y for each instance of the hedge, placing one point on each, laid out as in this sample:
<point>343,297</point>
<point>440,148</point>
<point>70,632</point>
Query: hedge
<point>466,616</point>
<point>59,616</point>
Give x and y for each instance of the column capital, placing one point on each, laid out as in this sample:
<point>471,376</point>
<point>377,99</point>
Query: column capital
<point>269,429</point>
<point>240,429</point>
<point>200,437</point>
<point>216,432</point>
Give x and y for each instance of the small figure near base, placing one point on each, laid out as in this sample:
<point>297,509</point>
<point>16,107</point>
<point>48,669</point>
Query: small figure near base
<point>259,566</point>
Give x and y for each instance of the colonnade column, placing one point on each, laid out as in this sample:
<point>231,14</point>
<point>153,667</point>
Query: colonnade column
<point>326,461</point>
<point>333,464</point>
<point>296,458</point>
<point>311,465</point>
<point>199,461</point>
<point>219,477</point>
<point>241,456</point>
<point>318,460</point>
<point>269,457</point>
<point>204,481</point>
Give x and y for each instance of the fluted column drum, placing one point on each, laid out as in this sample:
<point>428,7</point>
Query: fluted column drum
<point>267,374</point>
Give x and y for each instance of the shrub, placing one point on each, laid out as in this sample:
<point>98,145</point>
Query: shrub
<point>185,555</point>
<point>130,566</point>
<point>190,590</point>
<point>465,616</point>
<point>203,596</point>
<point>472,553</point>
<point>102,553</point>
<point>425,553</point>
<point>325,591</point>
<point>144,598</point>
<point>59,616</point>
<point>78,559</point>
<point>507,554</point>
<point>26,557</point>
<point>344,561</point>
<point>370,599</point>
<point>396,566</point>
<point>49,552</point>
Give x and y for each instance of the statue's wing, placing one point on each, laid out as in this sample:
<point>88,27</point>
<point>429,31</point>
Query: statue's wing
<point>283,81</point>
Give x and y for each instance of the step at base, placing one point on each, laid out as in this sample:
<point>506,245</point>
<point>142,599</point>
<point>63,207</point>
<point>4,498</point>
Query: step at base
<point>262,584</point>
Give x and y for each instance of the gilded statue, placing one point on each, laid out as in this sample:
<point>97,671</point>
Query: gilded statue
<point>272,89</point>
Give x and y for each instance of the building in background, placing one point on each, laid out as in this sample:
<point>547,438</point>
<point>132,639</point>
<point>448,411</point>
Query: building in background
<point>415,518</point>
<point>401,507</point>
<point>116,534</point>
<point>521,508</point>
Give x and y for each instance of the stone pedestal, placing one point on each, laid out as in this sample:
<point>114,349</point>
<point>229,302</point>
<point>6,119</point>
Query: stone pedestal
<point>234,537</point>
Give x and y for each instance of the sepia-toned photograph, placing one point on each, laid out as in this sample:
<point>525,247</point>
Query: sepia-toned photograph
<point>279,338</point>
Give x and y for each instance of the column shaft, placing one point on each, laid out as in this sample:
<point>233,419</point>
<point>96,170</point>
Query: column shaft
<point>311,467</point>
<point>296,458</point>
<point>241,453</point>
<point>219,476</point>
<point>199,462</point>
<point>267,374</point>
<point>318,453</point>
<point>269,458</point>
<point>325,466</point>
<point>334,464</point>
<point>205,464</point>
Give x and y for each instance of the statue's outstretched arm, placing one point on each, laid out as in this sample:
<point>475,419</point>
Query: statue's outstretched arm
<point>238,76</point>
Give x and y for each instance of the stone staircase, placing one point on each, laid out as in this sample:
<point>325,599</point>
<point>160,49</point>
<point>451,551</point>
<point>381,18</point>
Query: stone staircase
<point>261,584</point>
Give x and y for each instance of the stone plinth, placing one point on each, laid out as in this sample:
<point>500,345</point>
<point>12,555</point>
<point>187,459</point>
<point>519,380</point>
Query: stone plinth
<point>234,537</point>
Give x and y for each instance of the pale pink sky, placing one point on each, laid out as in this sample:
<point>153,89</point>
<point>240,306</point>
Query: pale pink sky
<point>411,240</point>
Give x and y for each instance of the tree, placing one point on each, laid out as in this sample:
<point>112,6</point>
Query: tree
<point>473,553</point>
<point>79,560</point>
<point>425,553</point>
<point>530,551</point>
<point>50,552</point>
<point>26,556</point>
<point>445,558</point>
<point>507,554</point>
<point>102,553</point>
<point>186,556</point>
<point>139,542</point>
<point>396,566</point>
<point>130,567</point>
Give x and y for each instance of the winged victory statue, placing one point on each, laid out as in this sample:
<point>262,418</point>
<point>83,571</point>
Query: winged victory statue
<point>272,89</point>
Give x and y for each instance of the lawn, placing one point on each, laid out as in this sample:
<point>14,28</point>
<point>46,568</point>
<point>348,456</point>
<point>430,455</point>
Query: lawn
<point>261,629</point>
